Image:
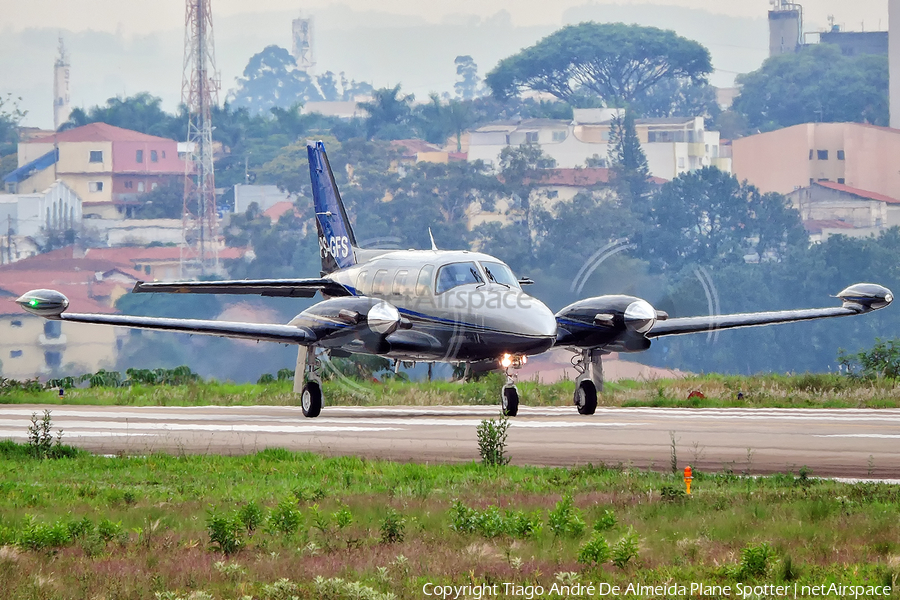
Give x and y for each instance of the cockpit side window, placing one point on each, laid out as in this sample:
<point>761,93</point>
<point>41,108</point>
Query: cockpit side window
<point>500,273</point>
<point>456,274</point>
<point>423,283</point>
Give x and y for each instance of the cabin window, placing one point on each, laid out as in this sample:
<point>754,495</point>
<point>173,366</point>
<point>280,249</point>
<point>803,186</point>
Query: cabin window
<point>456,274</point>
<point>400,286</point>
<point>380,283</point>
<point>423,283</point>
<point>361,283</point>
<point>500,273</point>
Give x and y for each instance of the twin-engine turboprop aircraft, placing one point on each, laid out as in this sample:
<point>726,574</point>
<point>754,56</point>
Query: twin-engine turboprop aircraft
<point>436,306</point>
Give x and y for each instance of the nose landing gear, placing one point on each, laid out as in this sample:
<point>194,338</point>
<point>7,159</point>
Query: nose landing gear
<point>509,394</point>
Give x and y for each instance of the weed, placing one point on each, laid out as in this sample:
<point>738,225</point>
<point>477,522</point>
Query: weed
<point>673,459</point>
<point>565,520</point>
<point>754,560</point>
<point>342,517</point>
<point>492,441</point>
<point>787,571</point>
<point>224,532</point>
<point>392,527</point>
<point>626,549</point>
<point>232,570</point>
<point>594,552</point>
<point>336,588</point>
<point>670,493</point>
<point>109,530</point>
<point>40,440</point>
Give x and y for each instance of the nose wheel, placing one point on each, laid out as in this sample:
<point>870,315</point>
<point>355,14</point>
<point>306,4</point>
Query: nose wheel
<point>509,399</point>
<point>311,399</point>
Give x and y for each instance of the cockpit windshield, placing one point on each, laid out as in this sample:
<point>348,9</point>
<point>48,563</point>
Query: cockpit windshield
<point>500,273</point>
<point>456,274</point>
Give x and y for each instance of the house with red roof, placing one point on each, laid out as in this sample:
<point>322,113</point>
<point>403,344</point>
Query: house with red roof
<point>107,167</point>
<point>31,346</point>
<point>829,208</point>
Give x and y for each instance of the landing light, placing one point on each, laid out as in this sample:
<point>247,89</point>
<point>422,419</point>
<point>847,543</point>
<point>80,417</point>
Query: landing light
<point>506,361</point>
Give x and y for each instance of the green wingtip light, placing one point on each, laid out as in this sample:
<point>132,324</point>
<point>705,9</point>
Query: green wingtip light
<point>34,302</point>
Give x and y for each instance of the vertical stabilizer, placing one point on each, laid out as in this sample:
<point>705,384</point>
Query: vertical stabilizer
<point>337,244</point>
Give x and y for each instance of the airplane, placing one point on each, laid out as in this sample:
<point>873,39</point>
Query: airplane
<point>454,306</point>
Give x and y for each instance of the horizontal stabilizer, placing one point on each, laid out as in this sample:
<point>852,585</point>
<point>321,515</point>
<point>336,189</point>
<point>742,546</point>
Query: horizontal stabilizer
<point>291,288</point>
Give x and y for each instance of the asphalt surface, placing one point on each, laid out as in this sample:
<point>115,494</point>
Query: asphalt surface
<point>856,443</point>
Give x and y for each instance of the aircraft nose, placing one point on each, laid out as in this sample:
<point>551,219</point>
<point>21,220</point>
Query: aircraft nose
<point>533,318</point>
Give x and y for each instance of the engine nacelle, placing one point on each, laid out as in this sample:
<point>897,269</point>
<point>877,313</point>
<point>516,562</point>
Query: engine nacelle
<point>614,323</point>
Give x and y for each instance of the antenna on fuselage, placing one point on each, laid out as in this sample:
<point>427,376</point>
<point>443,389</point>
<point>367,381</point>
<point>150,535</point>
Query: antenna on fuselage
<point>433,245</point>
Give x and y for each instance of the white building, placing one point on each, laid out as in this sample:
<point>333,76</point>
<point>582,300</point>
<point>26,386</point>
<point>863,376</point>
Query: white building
<point>265,196</point>
<point>672,145</point>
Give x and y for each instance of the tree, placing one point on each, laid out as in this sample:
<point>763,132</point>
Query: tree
<point>467,71</point>
<point>10,117</point>
<point>521,169</point>
<point>817,83</point>
<point>614,62</point>
<point>678,98</point>
<point>164,202</point>
<point>141,112</point>
<point>629,172</point>
<point>390,114</point>
<point>271,78</point>
<point>708,218</point>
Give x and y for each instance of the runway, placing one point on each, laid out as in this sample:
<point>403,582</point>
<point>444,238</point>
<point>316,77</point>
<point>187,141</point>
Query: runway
<point>831,442</point>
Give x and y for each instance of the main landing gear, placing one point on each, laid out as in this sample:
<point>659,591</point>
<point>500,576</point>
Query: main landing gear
<point>589,381</point>
<point>307,382</point>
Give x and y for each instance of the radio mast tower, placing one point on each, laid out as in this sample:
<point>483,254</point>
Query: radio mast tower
<point>199,93</point>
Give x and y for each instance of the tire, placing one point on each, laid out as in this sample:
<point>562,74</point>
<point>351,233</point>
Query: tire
<point>586,398</point>
<point>509,401</point>
<point>311,399</point>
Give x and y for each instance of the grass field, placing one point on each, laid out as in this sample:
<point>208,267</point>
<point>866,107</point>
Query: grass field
<point>794,391</point>
<point>276,525</point>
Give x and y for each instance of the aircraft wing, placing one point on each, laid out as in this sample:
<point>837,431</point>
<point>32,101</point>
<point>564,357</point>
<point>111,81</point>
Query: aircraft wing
<point>683,325</point>
<point>286,334</point>
<point>291,288</point>
<point>50,304</point>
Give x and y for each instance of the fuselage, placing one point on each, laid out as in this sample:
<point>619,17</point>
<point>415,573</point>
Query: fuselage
<point>463,306</point>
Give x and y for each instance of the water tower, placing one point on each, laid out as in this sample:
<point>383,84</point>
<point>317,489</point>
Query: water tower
<point>785,27</point>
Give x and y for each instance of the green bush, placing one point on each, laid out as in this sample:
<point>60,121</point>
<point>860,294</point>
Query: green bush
<point>565,520</point>
<point>109,530</point>
<point>393,527</point>
<point>40,536</point>
<point>491,523</point>
<point>594,552</point>
<point>626,549</point>
<point>492,441</point>
<point>285,518</point>
<point>224,532</point>
<point>251,516</point>
<point>606,521</point>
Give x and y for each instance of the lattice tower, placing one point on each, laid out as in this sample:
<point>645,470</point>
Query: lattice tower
<point>199,93</point>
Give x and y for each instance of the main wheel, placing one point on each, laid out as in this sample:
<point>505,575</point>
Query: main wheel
<point>586,398</point>
<point>509,401</point>
<point>311,399</point>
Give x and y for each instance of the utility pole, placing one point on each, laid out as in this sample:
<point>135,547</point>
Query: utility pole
<point>9,239</point>
<point>199,93</point>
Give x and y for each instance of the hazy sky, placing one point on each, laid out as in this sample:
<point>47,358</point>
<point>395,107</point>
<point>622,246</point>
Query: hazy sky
<point>143,16</point>
<point>120,47</point>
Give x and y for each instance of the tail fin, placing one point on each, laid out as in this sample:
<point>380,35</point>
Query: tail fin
<point>337,244</point>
